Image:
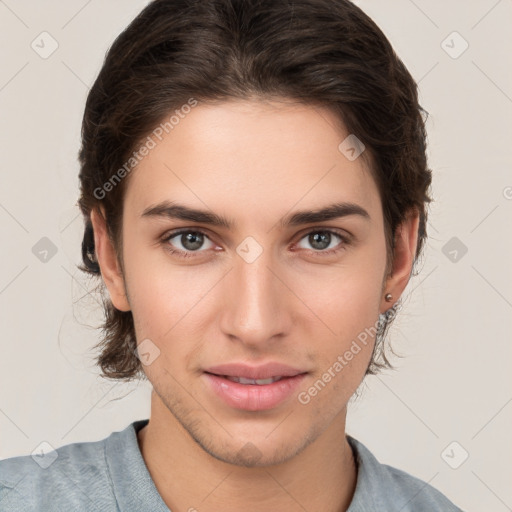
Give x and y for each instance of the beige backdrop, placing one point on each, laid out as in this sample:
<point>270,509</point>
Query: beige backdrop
<point>443,416</point>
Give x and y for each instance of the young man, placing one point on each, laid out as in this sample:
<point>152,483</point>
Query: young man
<point>254,184</point>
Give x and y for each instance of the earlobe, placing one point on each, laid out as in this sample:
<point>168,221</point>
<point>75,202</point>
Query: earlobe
<point>108,262</point>
<point>406,239</point>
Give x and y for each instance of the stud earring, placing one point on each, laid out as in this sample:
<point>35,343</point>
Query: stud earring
<point>388,297</point>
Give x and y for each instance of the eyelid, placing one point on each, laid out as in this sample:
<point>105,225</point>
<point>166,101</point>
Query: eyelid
<point>180,231</point>
<point>346,239</point>
<point>326,229</point>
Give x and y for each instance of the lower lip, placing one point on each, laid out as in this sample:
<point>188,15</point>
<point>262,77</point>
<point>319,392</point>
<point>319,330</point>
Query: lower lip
<point>252,397</point>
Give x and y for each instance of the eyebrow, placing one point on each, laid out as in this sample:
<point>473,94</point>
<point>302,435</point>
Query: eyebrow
<point>172,210</point>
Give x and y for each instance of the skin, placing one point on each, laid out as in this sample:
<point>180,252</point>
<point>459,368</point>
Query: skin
<point>292,304</point>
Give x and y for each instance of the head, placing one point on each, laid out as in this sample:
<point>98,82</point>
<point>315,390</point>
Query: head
<point>251,114</point>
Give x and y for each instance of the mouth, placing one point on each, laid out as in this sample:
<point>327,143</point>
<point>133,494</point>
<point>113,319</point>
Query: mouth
<point>253,389</point>
<point>253,382</point>
<point>262,372</point>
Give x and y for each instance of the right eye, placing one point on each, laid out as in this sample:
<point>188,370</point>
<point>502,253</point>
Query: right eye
<point>189,240</point>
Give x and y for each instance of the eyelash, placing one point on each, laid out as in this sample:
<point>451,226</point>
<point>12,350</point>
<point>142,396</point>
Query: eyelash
<point>190,254</point>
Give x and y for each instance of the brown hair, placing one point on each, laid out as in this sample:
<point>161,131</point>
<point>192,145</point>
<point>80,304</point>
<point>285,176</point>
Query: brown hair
<point>320,52</point>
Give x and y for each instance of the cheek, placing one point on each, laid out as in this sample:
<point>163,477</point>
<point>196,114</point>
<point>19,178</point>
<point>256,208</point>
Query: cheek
<point>347,305</point>
<point>161,300</point>
<point>346,298</point>
<point>164,308</point>
<point>166,298</point>
<point>342,358</point>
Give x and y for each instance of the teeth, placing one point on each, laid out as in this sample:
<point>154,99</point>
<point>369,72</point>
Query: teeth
<point>258,382</point>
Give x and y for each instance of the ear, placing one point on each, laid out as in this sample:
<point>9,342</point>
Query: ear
<point>406,239</point>
<point>109,265</point>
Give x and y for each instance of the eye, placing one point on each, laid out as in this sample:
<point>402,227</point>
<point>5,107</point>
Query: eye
<point>320,240</point>
<point>187,242</point>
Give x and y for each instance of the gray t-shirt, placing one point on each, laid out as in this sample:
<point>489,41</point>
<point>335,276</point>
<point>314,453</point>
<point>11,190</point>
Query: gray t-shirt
<point>111,475</point>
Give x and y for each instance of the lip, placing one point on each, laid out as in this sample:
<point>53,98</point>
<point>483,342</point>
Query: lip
<point>253,397</point>
<point>263,371</point>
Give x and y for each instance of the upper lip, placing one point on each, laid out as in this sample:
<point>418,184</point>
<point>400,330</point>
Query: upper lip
<point>262,371</point>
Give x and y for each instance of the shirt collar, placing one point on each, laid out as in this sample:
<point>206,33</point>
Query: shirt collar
<point>133,487</point>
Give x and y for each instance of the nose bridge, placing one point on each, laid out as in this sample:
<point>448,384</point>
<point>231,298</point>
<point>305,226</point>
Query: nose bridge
<point>256,310</point>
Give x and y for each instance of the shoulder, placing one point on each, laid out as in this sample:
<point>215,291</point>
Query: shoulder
<point>72,477</point>
<point>385,488</point>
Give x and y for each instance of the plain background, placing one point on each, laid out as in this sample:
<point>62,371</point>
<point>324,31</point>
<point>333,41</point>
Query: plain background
<point>453,383</point>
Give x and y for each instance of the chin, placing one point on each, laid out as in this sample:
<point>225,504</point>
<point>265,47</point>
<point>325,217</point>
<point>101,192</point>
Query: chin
<point>252,451</point>
<point>250,456</point>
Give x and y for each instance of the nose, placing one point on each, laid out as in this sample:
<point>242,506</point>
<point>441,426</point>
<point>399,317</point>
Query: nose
<point>257,308</point>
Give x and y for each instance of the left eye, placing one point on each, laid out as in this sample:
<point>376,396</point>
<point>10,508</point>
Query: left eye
<point>321,240</point>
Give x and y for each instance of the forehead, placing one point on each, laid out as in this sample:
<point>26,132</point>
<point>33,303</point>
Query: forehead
<point>251,157</point>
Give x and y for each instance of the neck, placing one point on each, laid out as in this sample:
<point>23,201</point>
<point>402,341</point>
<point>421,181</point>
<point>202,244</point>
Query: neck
<point>321,477</point>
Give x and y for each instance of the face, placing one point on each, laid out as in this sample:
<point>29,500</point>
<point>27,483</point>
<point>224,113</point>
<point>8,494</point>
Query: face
<point>266,294</point>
